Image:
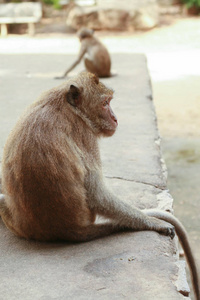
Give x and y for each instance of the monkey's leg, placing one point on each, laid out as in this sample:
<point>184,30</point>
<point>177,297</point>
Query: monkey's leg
<point>103,202</point>
<point>99,71</point>
<point>4,212</point>
<point>90,66</point>
<point>6,215</point>
<point>92,232</point>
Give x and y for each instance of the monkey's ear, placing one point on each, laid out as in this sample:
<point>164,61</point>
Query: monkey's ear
<point>73,96</point>
<point>95,78</point>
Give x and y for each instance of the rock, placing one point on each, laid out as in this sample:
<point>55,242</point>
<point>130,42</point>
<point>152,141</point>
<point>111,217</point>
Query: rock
<point>113,19</point>
<point>142,15</point>
<point>78,17</point>
<point>146,18</point>
<point>171,10</point>
<point>169,2</point>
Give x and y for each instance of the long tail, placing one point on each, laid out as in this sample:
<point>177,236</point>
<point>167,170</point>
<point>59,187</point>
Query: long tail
<point>183,238</point>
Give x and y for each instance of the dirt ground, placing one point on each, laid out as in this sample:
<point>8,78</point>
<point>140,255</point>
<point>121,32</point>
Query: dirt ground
<point>177,101</point>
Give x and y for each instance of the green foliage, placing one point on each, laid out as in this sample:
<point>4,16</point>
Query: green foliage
<point>191,3</point>
<point>55,3</point>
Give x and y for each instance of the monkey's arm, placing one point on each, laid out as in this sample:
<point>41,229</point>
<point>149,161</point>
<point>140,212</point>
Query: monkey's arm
<point>77,61</point>
<point>102,201</point>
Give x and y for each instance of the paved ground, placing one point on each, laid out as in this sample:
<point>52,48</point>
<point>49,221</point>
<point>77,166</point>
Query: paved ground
<point>143,264</point>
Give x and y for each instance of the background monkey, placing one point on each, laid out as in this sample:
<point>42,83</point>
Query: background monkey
<point>98,60</point>
<point>52,179</point>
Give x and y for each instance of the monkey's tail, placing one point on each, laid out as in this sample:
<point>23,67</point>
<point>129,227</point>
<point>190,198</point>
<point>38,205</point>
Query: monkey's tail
<point>183,238</point>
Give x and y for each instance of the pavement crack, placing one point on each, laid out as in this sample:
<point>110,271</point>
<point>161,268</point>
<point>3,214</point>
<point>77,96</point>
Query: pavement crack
<point>137,181</point>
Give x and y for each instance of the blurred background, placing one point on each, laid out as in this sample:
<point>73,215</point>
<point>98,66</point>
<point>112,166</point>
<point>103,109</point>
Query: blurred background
<point>168,33</point>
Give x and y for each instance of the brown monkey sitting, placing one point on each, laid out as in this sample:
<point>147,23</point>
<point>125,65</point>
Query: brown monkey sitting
<point>52,178</point>
<point>98,61</point>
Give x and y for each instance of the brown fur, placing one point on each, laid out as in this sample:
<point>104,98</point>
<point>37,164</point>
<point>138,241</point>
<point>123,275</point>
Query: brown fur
<point>52,179</point>
<point>98,61</point>
<point>51,164</point>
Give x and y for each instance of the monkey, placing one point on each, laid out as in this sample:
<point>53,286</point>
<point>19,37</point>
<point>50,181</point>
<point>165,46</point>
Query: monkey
<point>98,60</point>
<point>52,179</point>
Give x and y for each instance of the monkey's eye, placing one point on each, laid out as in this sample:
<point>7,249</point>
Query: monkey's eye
<point>105,103</point>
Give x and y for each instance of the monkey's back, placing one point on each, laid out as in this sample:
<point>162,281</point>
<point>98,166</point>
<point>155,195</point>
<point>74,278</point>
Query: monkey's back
<point>43,175</point>
<point>99,55</point>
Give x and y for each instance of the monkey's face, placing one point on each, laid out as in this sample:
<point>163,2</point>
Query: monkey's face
<point>93,98</point>
<point>108,119</point>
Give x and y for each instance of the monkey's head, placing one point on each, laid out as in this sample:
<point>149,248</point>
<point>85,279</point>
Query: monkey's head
<point>91,100</point>
<point>85,33</point>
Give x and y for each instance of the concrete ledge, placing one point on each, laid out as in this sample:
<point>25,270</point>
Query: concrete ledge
<point>129,265</point>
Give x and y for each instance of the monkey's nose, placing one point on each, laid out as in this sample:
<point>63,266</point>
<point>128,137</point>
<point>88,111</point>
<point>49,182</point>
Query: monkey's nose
<point>114,117</point>
<point>115,120</point>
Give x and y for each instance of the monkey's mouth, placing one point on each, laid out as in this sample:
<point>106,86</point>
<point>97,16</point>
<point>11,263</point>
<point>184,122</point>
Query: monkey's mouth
<point>113,119</point>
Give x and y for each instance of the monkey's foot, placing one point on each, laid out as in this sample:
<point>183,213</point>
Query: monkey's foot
<point>166,229</point>
<point>170,231</point>
<point>163,227</point>
<point>59,77</point>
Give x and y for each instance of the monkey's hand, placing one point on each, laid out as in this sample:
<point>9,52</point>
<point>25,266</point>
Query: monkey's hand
<point>170,231</point>
<point>170,222</point>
